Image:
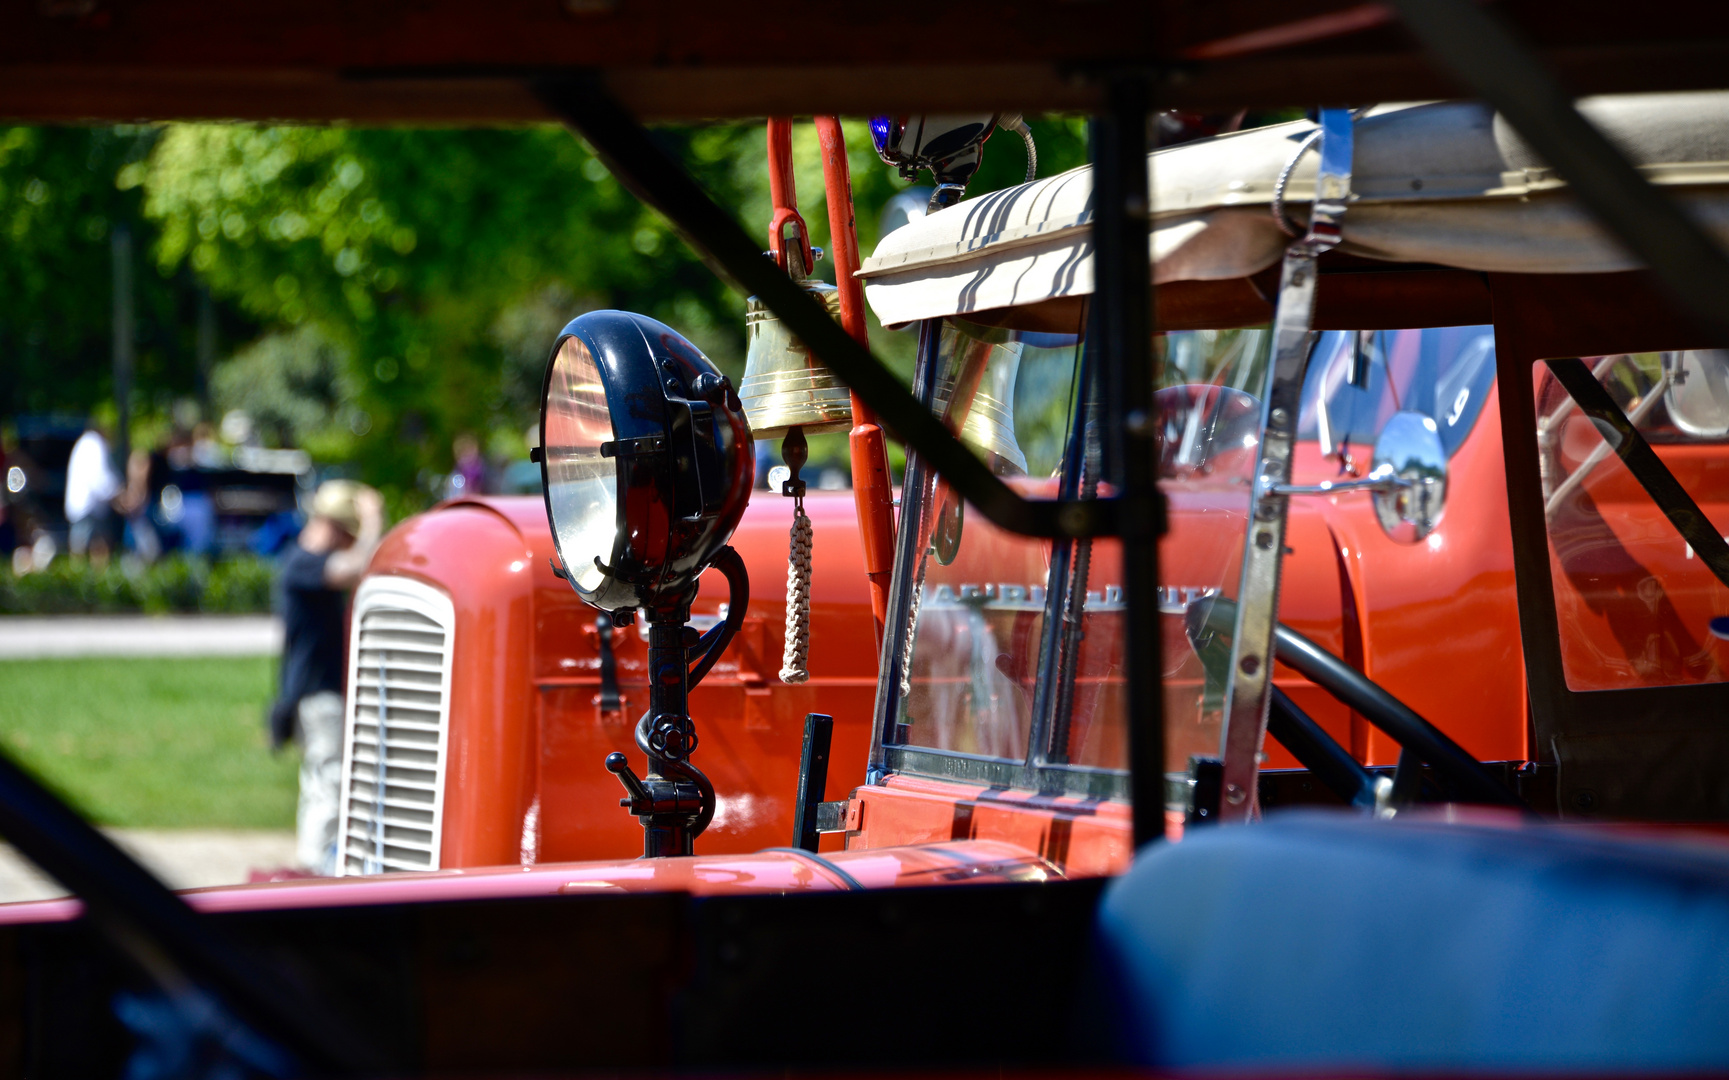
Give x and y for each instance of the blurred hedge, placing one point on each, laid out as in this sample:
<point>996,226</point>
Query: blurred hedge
<point>236,585</point>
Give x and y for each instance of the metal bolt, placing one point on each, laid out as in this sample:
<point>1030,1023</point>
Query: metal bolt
<point>1250,664</point>
<point>1234,794</point>
<point>1264,540</point>
<point>1279,416</point>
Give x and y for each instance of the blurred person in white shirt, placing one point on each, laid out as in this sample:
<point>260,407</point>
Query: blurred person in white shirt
<point>91,485</point>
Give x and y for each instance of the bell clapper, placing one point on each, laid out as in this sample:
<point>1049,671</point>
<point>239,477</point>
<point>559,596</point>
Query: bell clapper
<point>795,452</point>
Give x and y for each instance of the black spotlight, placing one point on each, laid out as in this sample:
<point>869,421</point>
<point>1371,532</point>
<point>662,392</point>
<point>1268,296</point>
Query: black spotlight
<point>647,463</point>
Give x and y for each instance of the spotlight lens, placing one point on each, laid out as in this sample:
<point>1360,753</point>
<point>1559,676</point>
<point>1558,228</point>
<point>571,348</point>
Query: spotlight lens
<point>582,486</point>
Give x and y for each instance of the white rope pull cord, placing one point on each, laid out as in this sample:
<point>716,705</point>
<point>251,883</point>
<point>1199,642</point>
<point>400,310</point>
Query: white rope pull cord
<point>918,592</point>
<point>797,654</point>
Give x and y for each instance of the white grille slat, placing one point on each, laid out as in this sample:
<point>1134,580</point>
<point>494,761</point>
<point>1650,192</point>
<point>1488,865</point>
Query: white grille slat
<point>399,733</point>
<point>400,660</point>
<point>406,796</point>
<point>398,618</point>
<point>396,812</point>
<point>409,678</point>
<point>405,659</point>
<point>407,639</point>
<point>416,719</point>
<point>395,856</point>
<point>399,697</point>
<point>397,711</point>
<point>399,779</point>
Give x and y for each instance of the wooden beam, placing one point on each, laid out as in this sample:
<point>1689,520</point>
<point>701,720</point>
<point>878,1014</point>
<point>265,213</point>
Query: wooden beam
<point>455,62</point>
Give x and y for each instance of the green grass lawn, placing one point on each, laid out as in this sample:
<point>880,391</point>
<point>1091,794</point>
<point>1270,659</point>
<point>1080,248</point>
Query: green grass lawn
<point>152,743</point>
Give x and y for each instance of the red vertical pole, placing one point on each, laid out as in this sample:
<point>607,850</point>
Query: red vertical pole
<point>782,190</point>
<point>872,486</point>
<point>783,193</point>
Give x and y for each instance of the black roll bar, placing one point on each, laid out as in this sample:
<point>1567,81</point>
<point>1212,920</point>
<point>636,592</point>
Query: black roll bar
<point>1123,294</point>
<point>1354,689</point>
<point>654,177</point>
<point>203,973</point>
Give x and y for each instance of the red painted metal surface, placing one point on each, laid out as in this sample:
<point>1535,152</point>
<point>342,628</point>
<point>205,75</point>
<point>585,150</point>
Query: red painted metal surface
<point>960,863</point>
<point>1454,589</point>
<point>873,494</point>
<point>1080,837</point>
<point>489,564</point>
<point>783,195</point>
<point>525,782</point>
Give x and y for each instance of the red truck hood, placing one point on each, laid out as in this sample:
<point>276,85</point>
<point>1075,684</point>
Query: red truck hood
<point>772,871</point>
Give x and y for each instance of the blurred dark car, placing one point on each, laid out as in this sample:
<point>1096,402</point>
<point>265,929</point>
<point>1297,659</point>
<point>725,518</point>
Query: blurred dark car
<point>252,505</point>
<point>36,494</point>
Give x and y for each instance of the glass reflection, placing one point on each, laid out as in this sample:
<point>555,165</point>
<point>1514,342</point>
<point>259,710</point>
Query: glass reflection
<point>1633,601</point>
<point>582,486</point>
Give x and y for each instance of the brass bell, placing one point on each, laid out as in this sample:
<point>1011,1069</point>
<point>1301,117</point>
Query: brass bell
<point>784,386</point>
<point>990,422</point>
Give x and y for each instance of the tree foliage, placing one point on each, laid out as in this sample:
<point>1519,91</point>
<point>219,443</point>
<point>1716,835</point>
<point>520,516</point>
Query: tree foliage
<point>59,205</point>
<point>396,286</point>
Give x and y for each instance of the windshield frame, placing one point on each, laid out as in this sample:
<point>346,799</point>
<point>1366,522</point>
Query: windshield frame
<point>1593,739</point>
<point>890,751</point>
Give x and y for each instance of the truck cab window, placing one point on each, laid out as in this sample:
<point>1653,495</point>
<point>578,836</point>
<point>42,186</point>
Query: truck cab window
<point>1632,599</point>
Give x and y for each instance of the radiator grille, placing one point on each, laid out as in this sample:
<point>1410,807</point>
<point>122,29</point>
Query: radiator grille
<point>398,716</point>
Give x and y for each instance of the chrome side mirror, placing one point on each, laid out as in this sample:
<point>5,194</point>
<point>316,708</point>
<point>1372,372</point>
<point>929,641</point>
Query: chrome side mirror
<point>1409,451</point>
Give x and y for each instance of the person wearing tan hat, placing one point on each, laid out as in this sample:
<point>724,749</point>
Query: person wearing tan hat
<point>316,572</point>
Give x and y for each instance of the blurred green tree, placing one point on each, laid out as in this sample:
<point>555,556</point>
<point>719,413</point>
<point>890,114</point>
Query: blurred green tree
<point>406,283</point>
<point>58,206</point>
<point>410,251</point>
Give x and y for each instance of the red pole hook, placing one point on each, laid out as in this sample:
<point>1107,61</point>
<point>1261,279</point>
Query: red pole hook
<point>783,192</point>
<point>872,485</point>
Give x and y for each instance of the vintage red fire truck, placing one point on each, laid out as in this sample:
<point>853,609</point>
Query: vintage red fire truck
<point>502,690</point>
<point>1266,485</point>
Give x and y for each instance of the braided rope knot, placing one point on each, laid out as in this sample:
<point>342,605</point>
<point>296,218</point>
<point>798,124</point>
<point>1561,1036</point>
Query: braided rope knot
<point>913,602</point>
<point>793,660</point>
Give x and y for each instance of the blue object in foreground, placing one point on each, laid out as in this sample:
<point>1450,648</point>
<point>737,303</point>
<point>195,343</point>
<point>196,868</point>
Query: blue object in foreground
<point>1320,942</point>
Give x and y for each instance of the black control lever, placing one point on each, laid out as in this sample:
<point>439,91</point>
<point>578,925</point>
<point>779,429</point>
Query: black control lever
<point>640,801</point>
<point>656,795</point>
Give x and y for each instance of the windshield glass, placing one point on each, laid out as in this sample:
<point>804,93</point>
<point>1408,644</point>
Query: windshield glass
<point>1016,644</point>
<point>1358,379</point>
<point>1209,438</point>
<point>978,609</point>
<point>1633,602</point>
